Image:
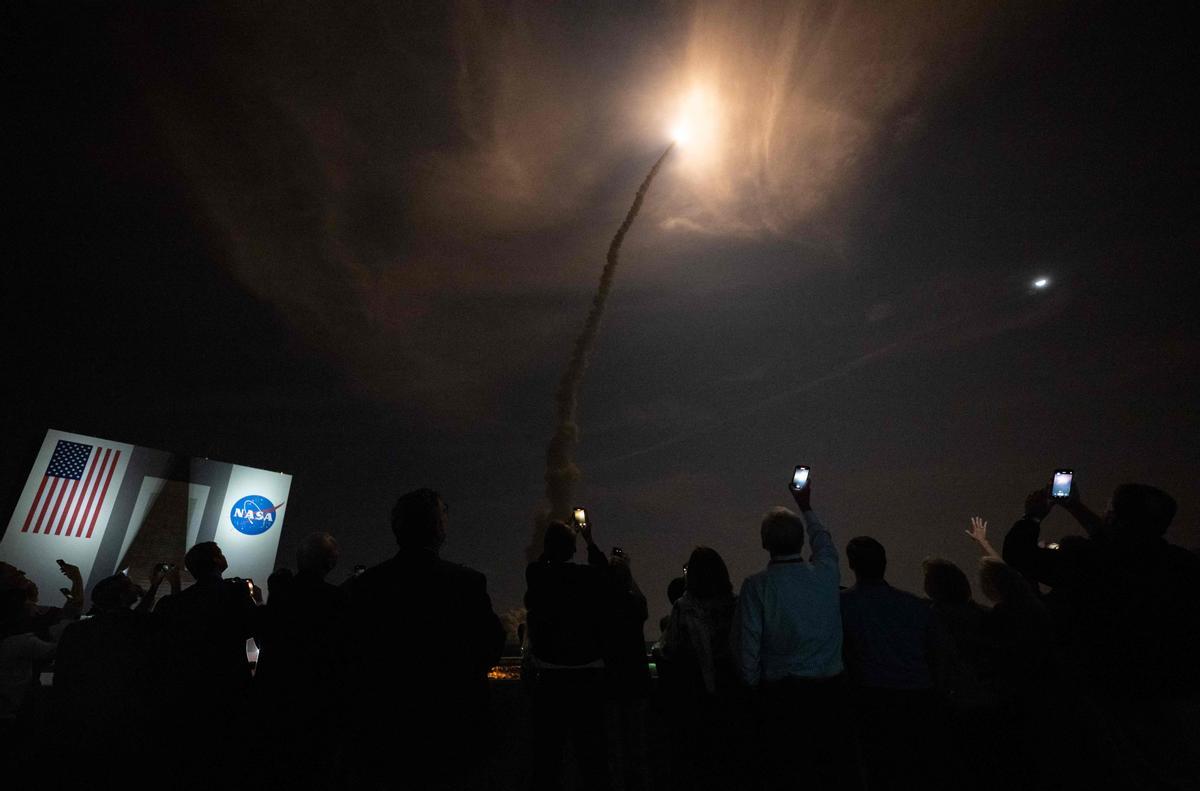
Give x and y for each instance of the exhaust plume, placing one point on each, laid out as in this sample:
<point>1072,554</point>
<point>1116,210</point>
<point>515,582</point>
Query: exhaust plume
<point>561,471</point>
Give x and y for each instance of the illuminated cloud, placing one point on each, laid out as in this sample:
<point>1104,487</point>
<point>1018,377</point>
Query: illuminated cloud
<point>480,159</point>
<point>794,99</point>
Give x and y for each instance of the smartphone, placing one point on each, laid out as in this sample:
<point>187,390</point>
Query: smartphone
<point>580,516</point>
<point>618,552</point>
<point>1060,489</point>
<point>799,477</point>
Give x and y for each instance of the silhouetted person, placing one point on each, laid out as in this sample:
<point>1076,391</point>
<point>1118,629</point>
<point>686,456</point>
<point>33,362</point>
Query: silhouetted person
<point>103,673</point>
<point>888,636</point>
<point>708,728</point>
<point>626,673</point>
<point>45,621</point>
<point>301,665</point>
<point>29,632</point>
<point>22,654</point>
<point>1127,610</point>
<point>959,662</point>
<point>1018,636</point>
<point>206,674</point>
<point>425,638</point>
<point>962,671</point>
<point>670,693</point>
<point>675,589</point>
<point>788,644</point>
<point>567,609</point>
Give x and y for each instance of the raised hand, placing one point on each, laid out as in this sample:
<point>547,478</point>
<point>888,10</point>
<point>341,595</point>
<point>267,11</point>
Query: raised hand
<point>978,530</point>
<point>70,571</point>
<point>74,595</point>
<point>803,496</point>
<point>978,534</point>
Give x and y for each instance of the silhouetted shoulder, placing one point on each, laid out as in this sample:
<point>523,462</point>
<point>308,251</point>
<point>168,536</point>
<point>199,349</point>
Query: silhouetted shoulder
<point>755,580</point>
<point>414,570</point>
<point>1186,561</point>
<point>459,571</point>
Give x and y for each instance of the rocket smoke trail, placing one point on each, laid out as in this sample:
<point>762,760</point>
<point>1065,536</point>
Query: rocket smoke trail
<point>561,472</point>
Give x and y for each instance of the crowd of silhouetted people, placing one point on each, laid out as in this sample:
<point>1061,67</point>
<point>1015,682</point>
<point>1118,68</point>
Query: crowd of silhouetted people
<point>1077,670</point>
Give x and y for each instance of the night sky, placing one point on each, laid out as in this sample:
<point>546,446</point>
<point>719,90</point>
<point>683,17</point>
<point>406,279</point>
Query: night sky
<point>354,242</point>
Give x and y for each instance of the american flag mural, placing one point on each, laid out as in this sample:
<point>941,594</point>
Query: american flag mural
<point>73,490</point>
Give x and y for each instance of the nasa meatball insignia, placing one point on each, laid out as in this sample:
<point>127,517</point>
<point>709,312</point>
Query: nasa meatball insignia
<point>253,515</point>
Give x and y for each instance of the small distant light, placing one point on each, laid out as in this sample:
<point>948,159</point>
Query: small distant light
<point>1041,282</point>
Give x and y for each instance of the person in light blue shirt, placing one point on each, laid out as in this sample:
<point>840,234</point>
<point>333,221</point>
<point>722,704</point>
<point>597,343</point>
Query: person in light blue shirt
<point>789,617</point>
<point>788,644</point>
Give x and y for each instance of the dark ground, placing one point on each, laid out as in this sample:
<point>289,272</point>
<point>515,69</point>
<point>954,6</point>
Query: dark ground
<point>510,757</point>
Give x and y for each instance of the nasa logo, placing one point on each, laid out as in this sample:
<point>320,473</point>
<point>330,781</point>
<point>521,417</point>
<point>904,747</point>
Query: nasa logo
<point>253,515</point>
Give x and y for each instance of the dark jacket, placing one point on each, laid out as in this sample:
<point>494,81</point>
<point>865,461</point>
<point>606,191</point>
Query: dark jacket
<point>205,629</point>
<point>103,666</point>
<point>425,635</point>
<point>1126,610</point>
<point>566,605</point>
<point>302,641</point>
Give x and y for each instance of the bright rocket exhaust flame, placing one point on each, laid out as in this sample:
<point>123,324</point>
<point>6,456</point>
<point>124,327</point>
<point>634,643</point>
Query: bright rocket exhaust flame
<point>695,123</point>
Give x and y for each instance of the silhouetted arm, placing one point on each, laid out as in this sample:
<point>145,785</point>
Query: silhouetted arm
<point>596,556</point>
<point>1091,522</point>
<point>1021,551</point>
<point>156,578</point>
<point>824,551</point>
<point>74,595</point>
<point>747,634</point>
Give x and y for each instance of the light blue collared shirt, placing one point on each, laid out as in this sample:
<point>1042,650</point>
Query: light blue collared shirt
<point>789,615</point>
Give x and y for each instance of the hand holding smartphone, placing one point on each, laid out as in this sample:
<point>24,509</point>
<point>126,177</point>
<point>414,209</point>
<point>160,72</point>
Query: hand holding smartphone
<point>1060,487</point>
<point>583,525</point>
